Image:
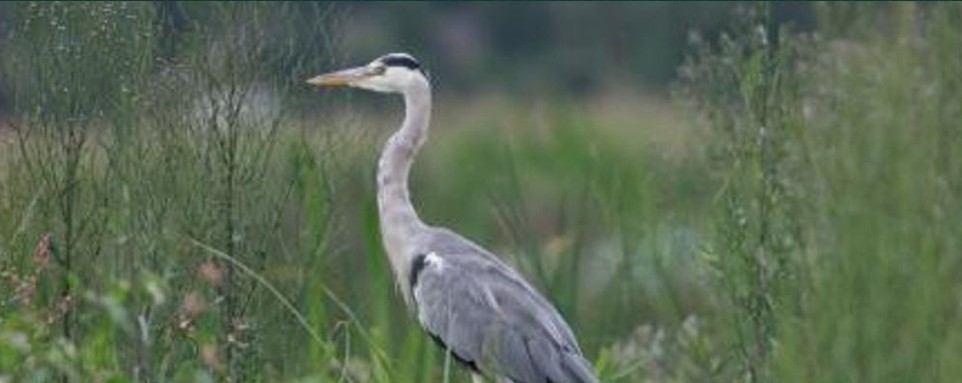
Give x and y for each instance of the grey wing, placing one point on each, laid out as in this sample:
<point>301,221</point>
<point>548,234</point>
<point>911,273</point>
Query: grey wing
<point>495,322</point>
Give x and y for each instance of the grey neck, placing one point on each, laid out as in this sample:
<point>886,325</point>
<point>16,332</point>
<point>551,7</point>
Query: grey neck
<point>399,221</point>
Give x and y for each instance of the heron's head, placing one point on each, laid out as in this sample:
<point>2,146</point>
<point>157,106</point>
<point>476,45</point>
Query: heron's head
<point>391,73</point>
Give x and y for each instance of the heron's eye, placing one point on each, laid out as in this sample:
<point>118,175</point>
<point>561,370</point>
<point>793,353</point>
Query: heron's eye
<point>378,70</point>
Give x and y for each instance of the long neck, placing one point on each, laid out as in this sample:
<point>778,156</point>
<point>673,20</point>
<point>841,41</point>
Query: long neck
<point>399,221</point>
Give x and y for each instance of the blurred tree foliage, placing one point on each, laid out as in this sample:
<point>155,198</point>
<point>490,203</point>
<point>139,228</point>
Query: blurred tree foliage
<point>558,47</point>
<point>555,46</point>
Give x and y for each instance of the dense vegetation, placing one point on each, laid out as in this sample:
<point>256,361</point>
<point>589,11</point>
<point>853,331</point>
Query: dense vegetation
<point>180,210</point>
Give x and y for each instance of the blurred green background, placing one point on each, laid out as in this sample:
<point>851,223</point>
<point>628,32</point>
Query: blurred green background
<point>758,192</point>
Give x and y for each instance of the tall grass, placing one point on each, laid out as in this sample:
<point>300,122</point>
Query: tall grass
<point>832,239</point>
<point>174,208</point>
<point>125,157</point>
<point>747,86</point>
<point>884,299</point>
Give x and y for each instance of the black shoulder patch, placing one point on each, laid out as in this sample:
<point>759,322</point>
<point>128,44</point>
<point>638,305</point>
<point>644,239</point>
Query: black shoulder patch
<point>417,265</point>
<point>401,60</point>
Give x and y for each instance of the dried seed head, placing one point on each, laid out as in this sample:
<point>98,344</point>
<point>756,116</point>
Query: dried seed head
<point>211,357</point>
<point>211,272</point>
<point>41,253</point>
<point>193,305</point>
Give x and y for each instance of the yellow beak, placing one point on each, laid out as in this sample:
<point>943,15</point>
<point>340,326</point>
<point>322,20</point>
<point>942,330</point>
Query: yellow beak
<point>340,78</point>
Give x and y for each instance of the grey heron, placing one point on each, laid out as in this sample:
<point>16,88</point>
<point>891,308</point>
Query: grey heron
<point>474,305</point>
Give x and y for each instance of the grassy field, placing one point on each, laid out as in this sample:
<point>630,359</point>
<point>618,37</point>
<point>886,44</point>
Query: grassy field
<point>792,214</point>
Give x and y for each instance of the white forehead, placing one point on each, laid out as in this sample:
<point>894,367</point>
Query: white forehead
<point>397,73</point>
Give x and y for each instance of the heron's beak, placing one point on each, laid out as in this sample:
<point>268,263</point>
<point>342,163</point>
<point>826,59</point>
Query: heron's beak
<point>345,77</point>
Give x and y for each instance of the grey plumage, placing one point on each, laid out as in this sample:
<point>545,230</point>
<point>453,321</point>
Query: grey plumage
<point>490,317</point>
<point>479,308</point>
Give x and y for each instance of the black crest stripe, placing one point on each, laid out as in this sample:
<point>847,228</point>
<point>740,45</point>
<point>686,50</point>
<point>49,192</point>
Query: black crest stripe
<point>404,61</point>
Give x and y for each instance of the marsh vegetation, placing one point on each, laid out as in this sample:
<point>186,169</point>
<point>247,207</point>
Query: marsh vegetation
<point>184,209</point>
